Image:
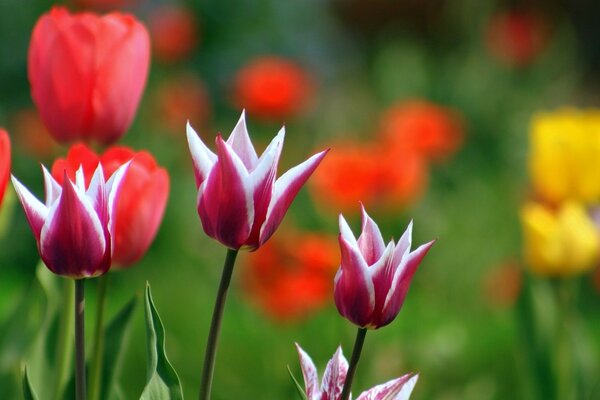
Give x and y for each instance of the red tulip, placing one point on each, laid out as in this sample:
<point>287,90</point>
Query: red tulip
<point>87,73</point>
<point>142,199</point>
<point>4,162</point>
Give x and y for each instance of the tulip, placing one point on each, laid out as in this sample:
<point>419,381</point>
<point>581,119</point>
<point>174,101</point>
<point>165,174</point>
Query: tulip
<point>559,243</point>
<point>74,228</point>
<point>239,201</point>
<point>142,199</point>
<point>4,162</point>
<point>87,73</point>
<point>335,376</point>
<point>373,279</point>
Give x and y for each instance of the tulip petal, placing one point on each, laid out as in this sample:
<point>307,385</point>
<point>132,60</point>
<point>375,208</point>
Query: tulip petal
<point>403,246</point>
<point>51,187</point>
<point>72,239</point>
<point>401,283</point>
<point>113,187</point>
<point>96,192</point>
<point>309,371</point>
<point>354,292</point>
<point>241,144</point>
<point>382,275</point>
<point>35,211</point>
<point>396,389</point>
<point>370,242</point>
<point>346,232</point>
<point>202,158</point>
<point>334,376</point>
<point>225,199</point>
<point>285,190</point>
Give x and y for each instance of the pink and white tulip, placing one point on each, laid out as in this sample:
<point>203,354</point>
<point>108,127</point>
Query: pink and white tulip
<point>335,376</point>
<point>240,201</point>
<point>74,228</point>
<point>373,279</point>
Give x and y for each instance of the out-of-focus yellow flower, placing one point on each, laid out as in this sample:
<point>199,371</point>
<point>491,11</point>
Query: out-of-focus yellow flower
<point>564,161</point>
<point>561,242</point>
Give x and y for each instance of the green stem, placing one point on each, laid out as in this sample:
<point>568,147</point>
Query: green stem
<point>215,326</point>
<point>79,340</point>
<point>358,345</point>
<point>563,350</point>
<point>98,349</point>
<point>64,344</point>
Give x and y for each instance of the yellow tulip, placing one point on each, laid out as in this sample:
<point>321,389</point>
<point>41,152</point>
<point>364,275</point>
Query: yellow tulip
<point>559,243</point>
<point>564,161</point>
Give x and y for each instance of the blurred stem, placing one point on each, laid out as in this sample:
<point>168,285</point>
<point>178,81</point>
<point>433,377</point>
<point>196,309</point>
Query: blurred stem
<point>215,326</point>
<point>358,345</point>
<point>564,367</point>
<point>79,340</point>
<point>64,344</point>
<point>98,349</point>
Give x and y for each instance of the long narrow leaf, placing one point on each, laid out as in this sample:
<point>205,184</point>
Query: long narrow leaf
<point>28,392</point>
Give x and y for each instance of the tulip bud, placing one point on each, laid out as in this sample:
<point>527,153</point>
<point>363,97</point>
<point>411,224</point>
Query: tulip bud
<point>87,73</point>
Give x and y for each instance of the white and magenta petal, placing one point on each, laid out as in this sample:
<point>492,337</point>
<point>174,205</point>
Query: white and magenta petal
<point>285,190</point>
<point>35,211</point>
<point>370,242</point>
<point>396,389</point>
<point>334,376</point>
<point>112,189</point>
<point>403,246</point>
<point>202,158</point>
<point>242,145</point>
<point>51,187</point>
<point>309,372</point>
<point>96,192</point>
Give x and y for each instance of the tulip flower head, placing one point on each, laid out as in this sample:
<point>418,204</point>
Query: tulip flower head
<point>87,73</point>
<point>335,376</point>
<point>373,279</point>
<point>74,228</point>
<point>240,202</point>
<point>4,162</point>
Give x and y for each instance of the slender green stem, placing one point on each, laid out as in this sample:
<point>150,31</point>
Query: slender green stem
<point>98,349</point>
<point>64,343</point>
<point>79,340</point>
<point>563,349</point>
<point>358,345</point>
<point>215,326</point>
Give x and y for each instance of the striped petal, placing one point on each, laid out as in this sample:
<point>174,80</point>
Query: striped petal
<point>35,211</point>
<point>309,372</point>
<point>396,389</point>
<point>72,241</point>
<point>113,188</point>
<point>241,144</point>
<point>225,199</point>
<point>370,242</point>
<point>285,190</point>
<point>334,376</point>
<point>403,246</point>
<point>51,187</point>
<point>202,158</point>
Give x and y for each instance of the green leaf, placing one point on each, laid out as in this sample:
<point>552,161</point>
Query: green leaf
<point>28,392</point>
<point>163,382</point>
<point>301,392</point>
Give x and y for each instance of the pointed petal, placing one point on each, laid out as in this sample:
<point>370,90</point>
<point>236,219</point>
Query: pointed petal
<point>346,232</point>
<point>79,178</point>
<point>51,187</point>
<point>242,145</point>
<point>401,282</point>
<point>403,246</point>
<point>35,211</point>
<point>72,241</point>
<point>309,371</point>
<point>396,389</point>
<point>354,293</point>
<point>370,242</point>
<point>382,276</point>
<point>225,200</point>
<point>112,190</point>
<point>262,179</point>
<point>334,376</point>
<point>97,194</point>
<point>285,190</point>
<point>202,158</point>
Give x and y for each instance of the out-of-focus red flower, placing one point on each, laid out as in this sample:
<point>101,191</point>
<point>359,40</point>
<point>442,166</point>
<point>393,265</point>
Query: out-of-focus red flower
<point>142,199</point>
<point>4,162</point>
<point>292,275</point>
<point>434,131</point>
<point>502,284</point>
<point>515,37</point>
<point>180,99</point>
<point>87,73</point>
<point>174,33</point>
<point>31,133</point>
<point>104,5</point>
<point>370,174</point>
<point>272,88</point>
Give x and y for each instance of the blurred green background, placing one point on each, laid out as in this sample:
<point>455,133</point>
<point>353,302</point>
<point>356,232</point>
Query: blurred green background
<point>458,327</point>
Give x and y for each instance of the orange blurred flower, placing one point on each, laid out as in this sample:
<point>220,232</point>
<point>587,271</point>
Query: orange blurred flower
<point>434,131</point>
<point>516,37</point>
<point>31,134</point>
<point>291,276</point>
<point>173,33</point>
<point>272,88</point>
<point>179,99</point>
<point>370,174</point>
